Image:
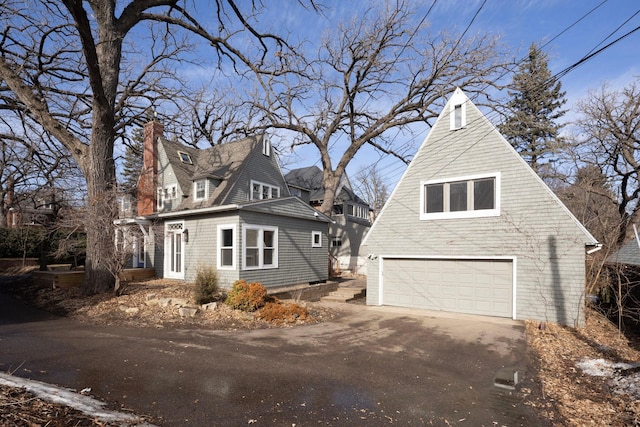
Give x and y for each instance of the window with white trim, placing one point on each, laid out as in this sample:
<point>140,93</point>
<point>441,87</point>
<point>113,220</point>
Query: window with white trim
<point>457,112</point>
<point>259,247</point>
<point>261,191</point>
<point>336,241</point>
<point>226,247</point>
<point>358,211</point>
<point>463,197</point>
<point>200,189</point>
<point>185,157</point>
<point>316,239</point>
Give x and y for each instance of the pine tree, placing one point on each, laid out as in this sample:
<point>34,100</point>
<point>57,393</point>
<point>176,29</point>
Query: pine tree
<point>132,164</point>
<point>535,106</point>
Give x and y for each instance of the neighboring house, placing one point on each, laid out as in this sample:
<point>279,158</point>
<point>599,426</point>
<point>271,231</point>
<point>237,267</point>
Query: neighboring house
<point>628,254</point>
<point>32,210</point>
<point>227,207</point>
<point>471,228</point>
<point>350,215</point>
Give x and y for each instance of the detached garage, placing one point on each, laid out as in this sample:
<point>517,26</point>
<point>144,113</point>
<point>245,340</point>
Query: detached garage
<point>473,286</point>
<point>470,228</point>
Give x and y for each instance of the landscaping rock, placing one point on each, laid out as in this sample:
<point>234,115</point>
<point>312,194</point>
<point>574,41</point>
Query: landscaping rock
<point>179,302</point>
<point>212,306</point>
<point>164,302</point>
<point>132,310</point>
<point>187,311</point>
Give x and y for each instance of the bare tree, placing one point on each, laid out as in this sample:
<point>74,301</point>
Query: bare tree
<point>382,69</point>
<point>370,185</point>
<point>73,67</point>
<point>608,137</point>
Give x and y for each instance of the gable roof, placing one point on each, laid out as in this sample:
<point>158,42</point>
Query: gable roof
<point>310,178</point>
<point>629,254</point>
<point>441,148</point>
<point>223,163</point>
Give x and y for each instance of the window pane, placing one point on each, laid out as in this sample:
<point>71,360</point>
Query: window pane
<point>268,257</point>
<point>226,257</point>
<point>316,239</point>
<point>265,192</point>
<point>458,196</point>
<point>435,200</point>
<point>274,193</point>
<point>252,238</point>
<point>484,194</point>
<point>227,237</point>
<point>252,258</point>
<point>255,192</point>
<point>268,239</point>
<point>457,119</point>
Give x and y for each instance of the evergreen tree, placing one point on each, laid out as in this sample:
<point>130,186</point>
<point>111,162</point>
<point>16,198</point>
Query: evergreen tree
<point>132,163</point>
<point>535,106</point>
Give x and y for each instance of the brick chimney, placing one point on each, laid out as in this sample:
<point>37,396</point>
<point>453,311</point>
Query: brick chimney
<point>148,182</point>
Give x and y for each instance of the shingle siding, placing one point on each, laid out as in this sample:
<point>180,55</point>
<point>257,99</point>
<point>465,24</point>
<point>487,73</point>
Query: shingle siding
<point>260,168</point>
<point>533,226</point>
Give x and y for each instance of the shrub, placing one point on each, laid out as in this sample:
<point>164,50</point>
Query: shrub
<point>246,296</point>
<point>278,313</point>
<point>206,287</point>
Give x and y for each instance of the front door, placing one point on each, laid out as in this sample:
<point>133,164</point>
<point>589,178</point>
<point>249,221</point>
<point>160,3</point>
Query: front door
<point>173,251</point>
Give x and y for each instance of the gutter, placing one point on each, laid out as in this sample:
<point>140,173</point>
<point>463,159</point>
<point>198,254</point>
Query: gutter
<point>595,247</point>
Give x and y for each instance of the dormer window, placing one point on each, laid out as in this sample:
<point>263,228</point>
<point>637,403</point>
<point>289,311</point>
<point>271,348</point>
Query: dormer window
<point>185,157</point>
<point>261,191</point>
<point>200,189</point>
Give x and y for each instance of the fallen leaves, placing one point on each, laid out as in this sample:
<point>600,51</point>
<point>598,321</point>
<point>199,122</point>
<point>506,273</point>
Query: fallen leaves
<point>569,395</point>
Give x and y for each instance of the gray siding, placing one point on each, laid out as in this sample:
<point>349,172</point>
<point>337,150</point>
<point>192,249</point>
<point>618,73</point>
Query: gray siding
<point>533,226</point>
<point>258,167</point>
<point>298,261</point>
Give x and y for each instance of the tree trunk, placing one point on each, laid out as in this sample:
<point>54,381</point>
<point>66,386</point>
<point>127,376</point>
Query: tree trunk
<point>99,170</point>
<point>331,182</point>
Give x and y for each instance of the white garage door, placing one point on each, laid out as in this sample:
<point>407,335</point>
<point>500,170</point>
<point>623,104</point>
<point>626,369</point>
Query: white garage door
<point>465,286</point>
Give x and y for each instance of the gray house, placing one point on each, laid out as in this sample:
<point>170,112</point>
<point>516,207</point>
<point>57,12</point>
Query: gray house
<point>471,228</point>
<point>350,215</point>
<point>227,207</point>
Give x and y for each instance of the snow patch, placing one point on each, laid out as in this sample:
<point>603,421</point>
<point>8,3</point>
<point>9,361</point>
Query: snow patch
<point>67,397</point>
<point>623,377</point>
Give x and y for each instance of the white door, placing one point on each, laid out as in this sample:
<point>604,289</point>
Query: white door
<point>474,286</point>
<point>173,251</point>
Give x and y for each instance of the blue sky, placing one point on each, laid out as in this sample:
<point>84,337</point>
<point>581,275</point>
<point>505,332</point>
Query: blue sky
<point>554,23</point>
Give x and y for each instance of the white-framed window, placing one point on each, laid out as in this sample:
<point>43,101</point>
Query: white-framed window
<point>185,157</point>
<point>171,192</point>
<point>460,197</point>
<point>226,247</point>
<point>336,241</point>
<point>200,189</point>
<point>266,146</point>
<point>358,211</point>
<point>316,239</point>
<point>458,112</point>
<point>261,191</point>
<point>259,247</point>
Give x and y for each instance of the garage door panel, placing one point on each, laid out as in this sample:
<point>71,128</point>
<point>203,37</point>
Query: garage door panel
<point>467,286</point>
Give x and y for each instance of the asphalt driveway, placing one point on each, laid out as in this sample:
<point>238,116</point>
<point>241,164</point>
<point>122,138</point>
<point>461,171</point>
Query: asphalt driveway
<point>370,366</point>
